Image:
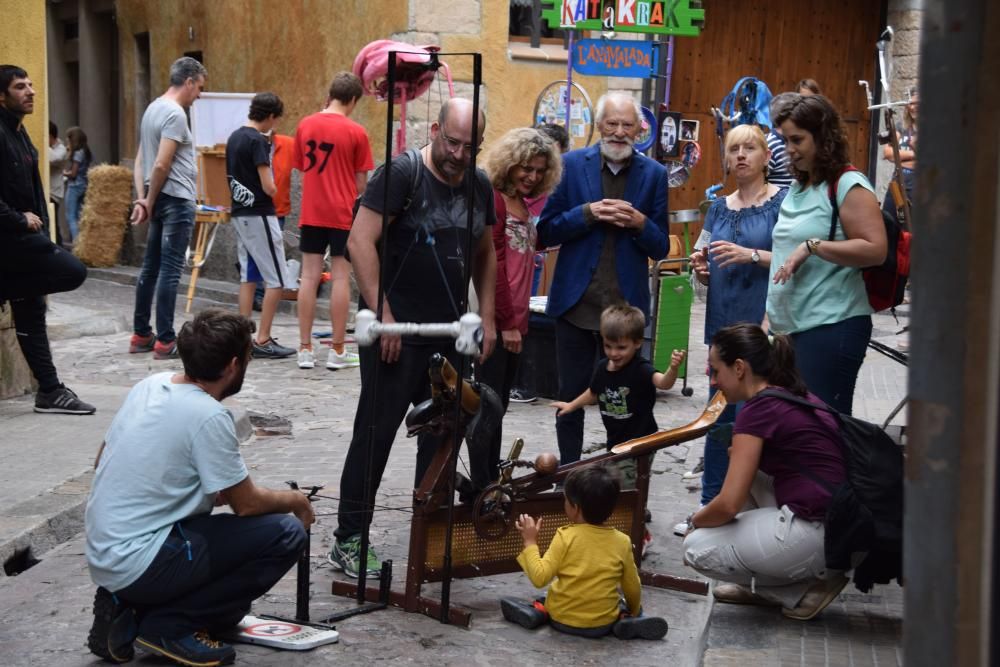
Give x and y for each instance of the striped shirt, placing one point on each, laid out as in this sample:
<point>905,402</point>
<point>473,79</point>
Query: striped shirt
<point>777,167</point>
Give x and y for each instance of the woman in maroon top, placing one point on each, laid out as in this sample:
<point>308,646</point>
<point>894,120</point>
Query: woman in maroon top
<point>763,533</point>
<point>523,163</point>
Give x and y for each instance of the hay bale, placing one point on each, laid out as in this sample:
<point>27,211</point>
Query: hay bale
<point>105,215</point>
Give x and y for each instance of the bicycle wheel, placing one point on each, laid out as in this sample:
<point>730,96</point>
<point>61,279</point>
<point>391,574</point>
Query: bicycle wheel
<point>550,107</point>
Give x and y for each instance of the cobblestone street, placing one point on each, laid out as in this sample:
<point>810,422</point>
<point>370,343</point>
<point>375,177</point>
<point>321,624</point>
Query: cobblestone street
<point>47,608</point>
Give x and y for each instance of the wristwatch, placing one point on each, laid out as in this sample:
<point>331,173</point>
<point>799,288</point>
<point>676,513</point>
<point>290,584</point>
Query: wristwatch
<point>754,256</point>
<point>812,245</point>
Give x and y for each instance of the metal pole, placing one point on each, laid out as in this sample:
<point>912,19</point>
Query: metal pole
<point>374,358</point>
<point>471,188</point>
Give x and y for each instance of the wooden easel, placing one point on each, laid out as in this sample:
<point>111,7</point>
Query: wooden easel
<point>213,191</point>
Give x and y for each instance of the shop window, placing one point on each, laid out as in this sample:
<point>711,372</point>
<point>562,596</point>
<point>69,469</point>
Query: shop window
<point>547,44</point>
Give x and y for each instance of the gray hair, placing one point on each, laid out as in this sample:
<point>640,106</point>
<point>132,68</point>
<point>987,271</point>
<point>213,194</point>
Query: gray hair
<point>599,115</point>
<point>779,101</point>
<point>186,68</point>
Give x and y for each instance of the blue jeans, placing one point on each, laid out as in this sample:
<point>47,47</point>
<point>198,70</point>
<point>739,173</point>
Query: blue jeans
<point>829,358</point>
<point>577,350</point>
<point>169,233</point>
<point>209,571</point>
<point>717,442</point>
<point>74,207</point>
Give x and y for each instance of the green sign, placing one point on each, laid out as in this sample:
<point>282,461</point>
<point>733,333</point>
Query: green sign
<point>658,17</point>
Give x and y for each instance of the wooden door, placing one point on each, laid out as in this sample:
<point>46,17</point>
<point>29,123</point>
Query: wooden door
<point>779,42</point>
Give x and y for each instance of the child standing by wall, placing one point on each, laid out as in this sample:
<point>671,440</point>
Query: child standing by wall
<point>592,564</point>
<point>76,177</point>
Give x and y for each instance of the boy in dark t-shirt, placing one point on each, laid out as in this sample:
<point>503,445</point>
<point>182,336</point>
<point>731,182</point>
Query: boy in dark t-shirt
<point>258,234</point>
<point>624,383</point>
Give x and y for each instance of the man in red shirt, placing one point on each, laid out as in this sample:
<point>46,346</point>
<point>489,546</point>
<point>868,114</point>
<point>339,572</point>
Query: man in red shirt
<point>334,156</point>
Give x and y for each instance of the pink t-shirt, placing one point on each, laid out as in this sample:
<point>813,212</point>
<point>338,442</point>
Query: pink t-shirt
<point>795,437</point>
<point>514,242</point>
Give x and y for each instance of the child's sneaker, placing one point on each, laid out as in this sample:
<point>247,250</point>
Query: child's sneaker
<point>164,351</point>
<point>139,344</point>
<point>681,529</point>
<point>114,628</point>
<point>647,542</point>
<point>522,396</point>
<point>346,360</point>
<point>306,358</point>
<point>197,649</point>
<point>524,614</point>
<point>641,627</point>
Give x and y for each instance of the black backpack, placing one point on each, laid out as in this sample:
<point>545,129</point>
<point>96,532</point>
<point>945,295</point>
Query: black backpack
<point>416,173</point>
<point>865,516</point>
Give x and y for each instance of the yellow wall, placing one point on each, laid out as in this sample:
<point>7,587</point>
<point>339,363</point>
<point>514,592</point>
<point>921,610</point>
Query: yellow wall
<point>294,47</point>
<point>512,85</point>
<point>24,45</point>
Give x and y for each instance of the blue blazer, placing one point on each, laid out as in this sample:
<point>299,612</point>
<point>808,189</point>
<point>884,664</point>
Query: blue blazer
<point>562,223</point>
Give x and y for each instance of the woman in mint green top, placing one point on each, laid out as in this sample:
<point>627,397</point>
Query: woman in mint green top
<point>817,294</point>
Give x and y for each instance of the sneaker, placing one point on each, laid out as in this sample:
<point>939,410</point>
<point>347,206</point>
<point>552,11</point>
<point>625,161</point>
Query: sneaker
<point>139,344</point>
<point>817,598</point>
<point>114,628</point>
<point>696,471</point>
<point>526,615</point>
<point>197,650</point>
<point>306,359</point>
<point>641,627</point>
<point>163,351</point>
<point>681,529</point>
<point>271,350</point>
<point>739,594</point>
<point>647,541</point>
<point>346,360</point>
<point>346,554</point>
<point>522,396</point>
<point>62,400</point>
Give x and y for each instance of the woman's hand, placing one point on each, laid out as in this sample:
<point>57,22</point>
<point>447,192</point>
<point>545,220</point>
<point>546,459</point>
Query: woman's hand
<point>726,253</point>
<point>699,265</point>
<point>511,340</point>
<point>792,263</point>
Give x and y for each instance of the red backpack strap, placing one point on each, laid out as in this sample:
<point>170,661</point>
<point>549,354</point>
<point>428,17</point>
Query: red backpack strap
<point>832,193</point>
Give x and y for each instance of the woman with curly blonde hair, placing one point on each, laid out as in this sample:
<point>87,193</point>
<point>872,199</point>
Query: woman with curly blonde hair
<point>522,164</point>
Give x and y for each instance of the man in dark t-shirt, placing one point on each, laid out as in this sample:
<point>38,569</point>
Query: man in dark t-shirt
<point>427,243</point>
<point>248,170</point>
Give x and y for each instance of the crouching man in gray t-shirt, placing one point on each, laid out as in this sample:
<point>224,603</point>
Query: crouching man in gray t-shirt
<point>169,572</point>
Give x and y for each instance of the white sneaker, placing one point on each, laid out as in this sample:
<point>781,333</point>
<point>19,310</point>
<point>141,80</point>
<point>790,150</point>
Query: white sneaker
<point>346,360</point>
<point>681,529</point>
<point>306,359</point>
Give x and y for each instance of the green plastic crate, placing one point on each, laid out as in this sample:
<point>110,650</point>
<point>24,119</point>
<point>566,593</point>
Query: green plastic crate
<point>673,321</point>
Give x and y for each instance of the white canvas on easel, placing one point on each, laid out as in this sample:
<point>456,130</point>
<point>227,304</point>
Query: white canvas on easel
<point>214,116</point>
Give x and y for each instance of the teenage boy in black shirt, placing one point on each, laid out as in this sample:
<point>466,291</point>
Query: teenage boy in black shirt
<point>248,169</point>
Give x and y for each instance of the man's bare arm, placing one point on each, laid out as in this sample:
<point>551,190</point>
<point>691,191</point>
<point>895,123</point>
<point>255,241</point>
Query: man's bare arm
<point>248,499</point>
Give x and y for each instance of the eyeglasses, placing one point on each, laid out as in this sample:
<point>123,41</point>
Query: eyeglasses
<point>613,125</point>
<point>454,145</point>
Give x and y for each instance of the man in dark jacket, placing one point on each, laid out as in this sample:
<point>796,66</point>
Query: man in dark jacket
<point>31,266</point>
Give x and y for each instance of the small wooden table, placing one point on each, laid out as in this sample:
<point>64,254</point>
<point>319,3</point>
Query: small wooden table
<point>206,224</point>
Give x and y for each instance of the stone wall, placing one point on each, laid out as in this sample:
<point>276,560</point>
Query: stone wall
<point>905,17</point>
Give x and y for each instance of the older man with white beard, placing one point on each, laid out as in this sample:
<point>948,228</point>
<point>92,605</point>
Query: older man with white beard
<point>609,215</point>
